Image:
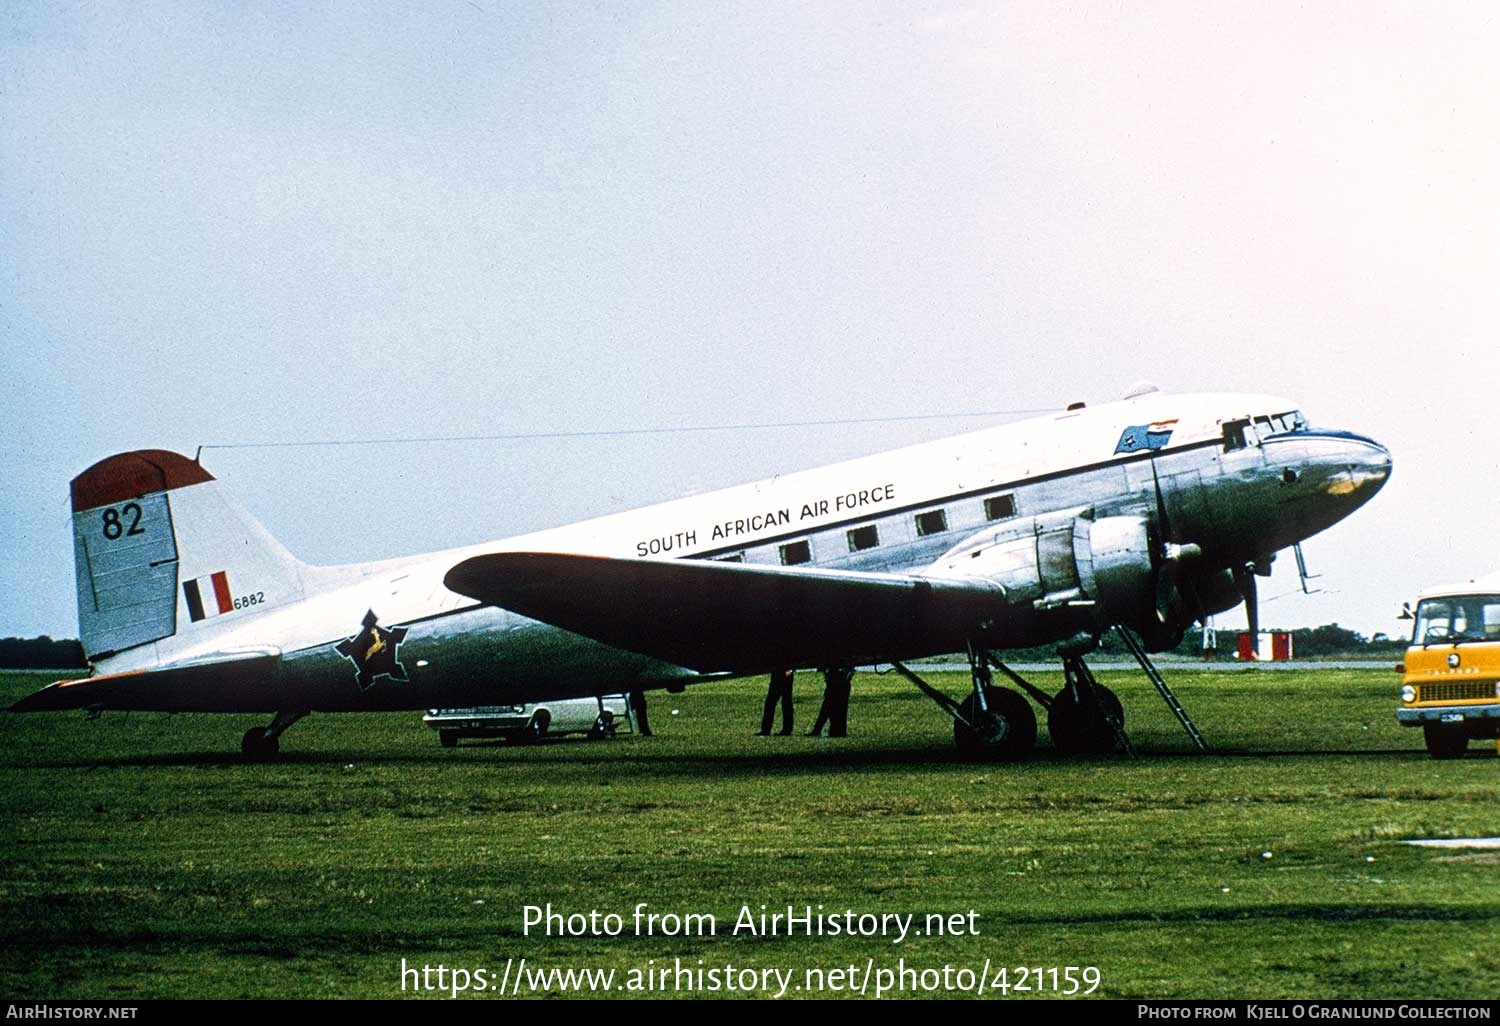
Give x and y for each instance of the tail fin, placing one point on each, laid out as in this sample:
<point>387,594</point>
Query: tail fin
<point>160,550</point>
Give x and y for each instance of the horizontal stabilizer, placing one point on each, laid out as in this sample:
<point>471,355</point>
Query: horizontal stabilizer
<point>719,616</point>
<point>243,681</point>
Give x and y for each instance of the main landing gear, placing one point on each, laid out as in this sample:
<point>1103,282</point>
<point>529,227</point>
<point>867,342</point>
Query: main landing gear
<point>262,743</point>
<point>991,722</point>
<point>1085,717</point>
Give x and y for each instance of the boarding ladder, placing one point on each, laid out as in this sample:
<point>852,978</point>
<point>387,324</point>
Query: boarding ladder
<point>1151,671</point>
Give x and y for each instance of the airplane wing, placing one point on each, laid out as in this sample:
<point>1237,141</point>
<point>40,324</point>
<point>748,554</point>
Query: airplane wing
<point>241,681</point>
<point>716,617</point>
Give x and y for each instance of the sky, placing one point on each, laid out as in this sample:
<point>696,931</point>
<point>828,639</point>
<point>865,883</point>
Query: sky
<point>236,224</point>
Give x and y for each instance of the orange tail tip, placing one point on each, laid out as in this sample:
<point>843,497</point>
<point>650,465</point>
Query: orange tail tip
<point>131,475</point>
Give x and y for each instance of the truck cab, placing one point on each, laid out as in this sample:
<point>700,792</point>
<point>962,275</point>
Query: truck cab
<point>1451,675</point>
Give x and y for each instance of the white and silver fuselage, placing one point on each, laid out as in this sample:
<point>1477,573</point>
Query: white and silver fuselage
<point>1238,477</point>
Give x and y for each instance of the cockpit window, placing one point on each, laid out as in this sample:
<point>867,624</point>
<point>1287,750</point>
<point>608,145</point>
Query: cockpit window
<point>1254,430</point>
<point>1279,424</point>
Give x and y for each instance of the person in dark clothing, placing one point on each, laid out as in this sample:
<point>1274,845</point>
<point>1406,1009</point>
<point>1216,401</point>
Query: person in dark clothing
<point>834,713</point>
<point>780,690</point>
<point>638,711</point>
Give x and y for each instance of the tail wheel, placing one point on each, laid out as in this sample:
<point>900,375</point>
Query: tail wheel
<point>257,744</point>
<point>1005,732</point>
<point>1444,741</point>
<point>1083,727</point>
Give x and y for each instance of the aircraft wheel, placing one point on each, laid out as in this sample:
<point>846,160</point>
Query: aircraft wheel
<point>1007,733</point>
<point>1445,741</point>
<point>256,745</point>
<point>1079,728</point>
<point>604,725</point>
<point>448,738</point>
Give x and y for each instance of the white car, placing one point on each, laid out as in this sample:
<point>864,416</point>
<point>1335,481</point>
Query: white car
<point>597,717</point>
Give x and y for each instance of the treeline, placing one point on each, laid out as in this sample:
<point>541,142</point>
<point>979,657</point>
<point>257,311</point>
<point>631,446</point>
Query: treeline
<point>41,654</point>
<point>1333,640</point>
<point>1329,641</point>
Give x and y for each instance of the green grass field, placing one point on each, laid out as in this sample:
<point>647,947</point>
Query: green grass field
<point>142,858</point>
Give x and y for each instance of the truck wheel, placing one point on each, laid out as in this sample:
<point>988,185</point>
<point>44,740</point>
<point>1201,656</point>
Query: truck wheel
<point>1445,741</point>
<point>448,738</point>
<point>537,727</point>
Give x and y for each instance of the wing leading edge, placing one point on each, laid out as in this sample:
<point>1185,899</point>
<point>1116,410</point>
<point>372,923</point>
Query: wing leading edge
<point>732,617</point>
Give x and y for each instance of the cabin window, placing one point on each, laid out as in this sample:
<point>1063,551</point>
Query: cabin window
<point>733,557</point>
<point>795,552</point>
<point>934,521</point>
<point>999,507</point>
<point>862,538</point>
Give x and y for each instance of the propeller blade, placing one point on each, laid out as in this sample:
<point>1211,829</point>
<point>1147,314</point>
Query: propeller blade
<point>1252,607</point>
<point>1166,568</point>
<point>1166,589</point>
<point>1162,524</point>
<point>1170,598</point>
<point>1244,577</point>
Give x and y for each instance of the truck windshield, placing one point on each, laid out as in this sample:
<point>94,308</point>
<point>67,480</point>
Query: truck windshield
<point>1457,618</point>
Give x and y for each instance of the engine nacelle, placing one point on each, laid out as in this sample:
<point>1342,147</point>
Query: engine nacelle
<point>1125,569</point>
<point>1071,571</point>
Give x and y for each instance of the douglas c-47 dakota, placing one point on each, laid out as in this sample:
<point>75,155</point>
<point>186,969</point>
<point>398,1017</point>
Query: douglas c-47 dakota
<point>1140,516</point>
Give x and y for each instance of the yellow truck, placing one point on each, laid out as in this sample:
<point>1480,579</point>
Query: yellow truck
<point>1451,675</point>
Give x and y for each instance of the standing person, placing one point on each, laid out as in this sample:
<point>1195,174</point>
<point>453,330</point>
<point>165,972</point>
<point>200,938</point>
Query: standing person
<point>834,713</point>
<point>780,690</point>
<point>638,711</point>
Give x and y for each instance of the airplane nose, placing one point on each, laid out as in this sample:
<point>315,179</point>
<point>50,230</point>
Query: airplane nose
<point>1354,467</point>
<point>1378,463</point>
<point>1369,464</point>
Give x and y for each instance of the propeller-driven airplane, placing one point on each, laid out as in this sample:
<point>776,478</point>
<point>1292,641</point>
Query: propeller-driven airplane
<point>1140,516</point>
